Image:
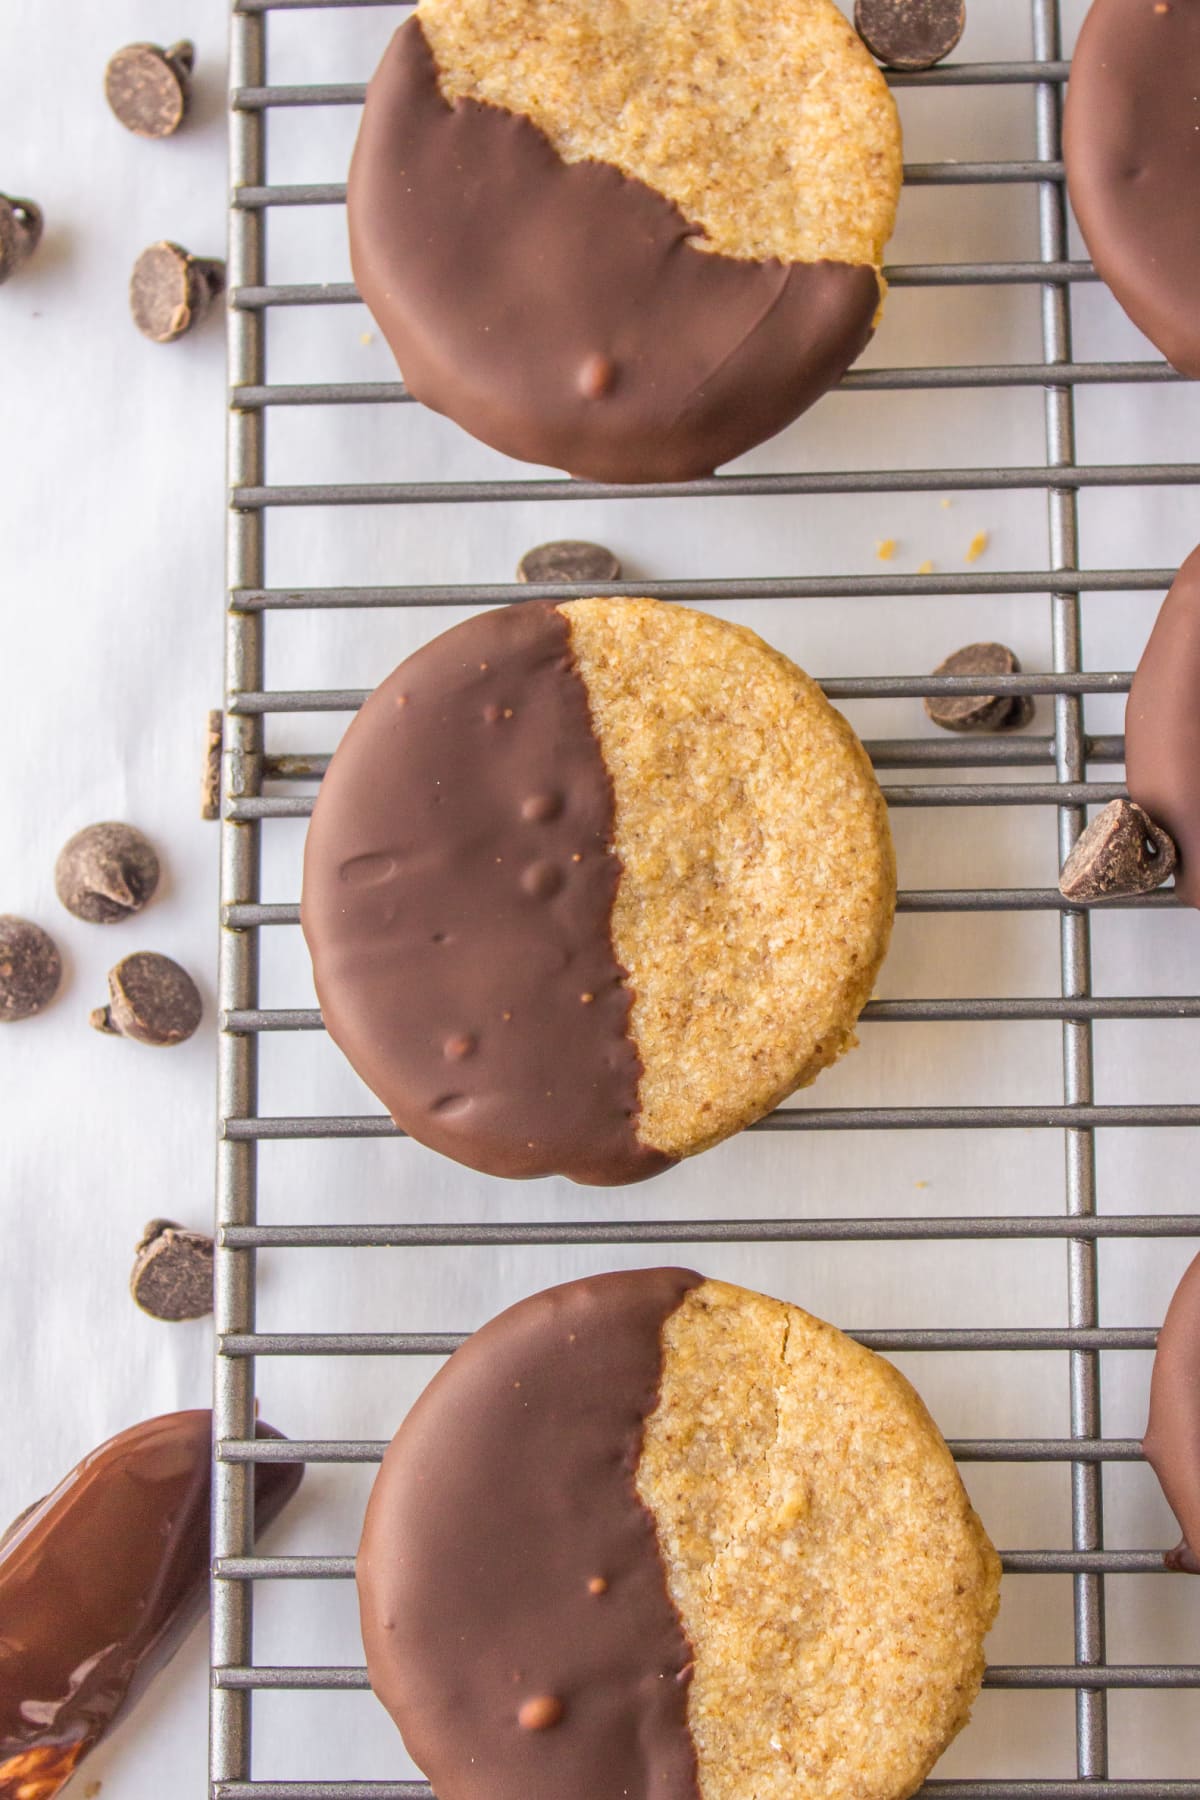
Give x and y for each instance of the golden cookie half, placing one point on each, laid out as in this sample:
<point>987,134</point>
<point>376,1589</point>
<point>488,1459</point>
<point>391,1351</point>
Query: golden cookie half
<point>630,242</point>
<point>655,1537</point>
<point>590,887</point>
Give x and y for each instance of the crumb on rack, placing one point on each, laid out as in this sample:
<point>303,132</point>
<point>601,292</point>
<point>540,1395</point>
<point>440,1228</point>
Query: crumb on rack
<point>365,338</point>
<point>977,546</point>
<point>947,503</point>
<point>925,568</point>
<point>886,549</point>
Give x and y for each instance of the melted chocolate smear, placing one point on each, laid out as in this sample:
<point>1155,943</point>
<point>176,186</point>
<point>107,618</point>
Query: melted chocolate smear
<point>100,1584</point>
<point>558,311</point>
<point>507,1492</point>
<point>1132,148</point>
<point>1172,1445</point>
<point>474,986</point>
<point>1162,724</point>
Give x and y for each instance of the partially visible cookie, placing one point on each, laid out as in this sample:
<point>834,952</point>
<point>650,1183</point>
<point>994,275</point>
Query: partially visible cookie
<point>1133,163</point>
<point>1162,726</point>
<point>693,1537</point>
<point>628,242</point>
<point>589,888</point>
<point>1172,1443</point>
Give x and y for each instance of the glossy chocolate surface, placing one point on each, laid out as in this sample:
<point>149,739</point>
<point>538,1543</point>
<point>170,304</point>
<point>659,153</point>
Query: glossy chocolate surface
<point>99,1585</point>
<point>458,890</point>
<point>558,310</point>
<point>514,1603</point>
<point>1132,148</point>
<point>1172,1442</point>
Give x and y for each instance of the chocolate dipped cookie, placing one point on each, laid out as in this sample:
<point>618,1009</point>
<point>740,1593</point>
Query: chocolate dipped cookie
<point>1132,154</point>
<point>590,887</point>
<point>1162,727</point>
<point>694,1538</point>
<point>627,242</point>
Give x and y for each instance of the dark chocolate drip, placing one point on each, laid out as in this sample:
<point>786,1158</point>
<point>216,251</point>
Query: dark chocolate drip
<point>1172,1444</point>
<point>99,1585</point>
<point>458,891</point>
<point>1132,148</point>
<point>558,311</point>
<point>504,1502</point>
<point>1162,726</point>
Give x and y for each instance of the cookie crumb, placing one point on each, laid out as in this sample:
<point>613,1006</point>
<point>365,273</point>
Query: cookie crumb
<point>597,1585</point>
<point>925,568</point>
<point>977,546</point>
<point>886,549</point>
<point>366,338</point>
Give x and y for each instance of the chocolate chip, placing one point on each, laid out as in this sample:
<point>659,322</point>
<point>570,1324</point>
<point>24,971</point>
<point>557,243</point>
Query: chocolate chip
<point>147,87</point>
<point>106,873</point>
<point>30,969</point>
<point>1122,852</point>
<point>20,232</point>
<point>151,999</point>
<point>210,779</point>
<point>172,1275</point>
<point>170,291</point>
<point>540,1712</point>
<point>910,34</point>
<point>568,559</point>
<point>979,712</point>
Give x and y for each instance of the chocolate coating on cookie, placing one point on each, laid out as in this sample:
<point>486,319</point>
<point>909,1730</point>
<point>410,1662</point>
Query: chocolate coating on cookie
<point>558,310</point>
<point>1162,724</point>
<point>1172,1443</point>
<point>458,891</point>
<point>99,1585</point>
<point>505,1491</point>
<point>1132,148</point>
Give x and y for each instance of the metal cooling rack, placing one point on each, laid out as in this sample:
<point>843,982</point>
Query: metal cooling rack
<point>1068,753</point>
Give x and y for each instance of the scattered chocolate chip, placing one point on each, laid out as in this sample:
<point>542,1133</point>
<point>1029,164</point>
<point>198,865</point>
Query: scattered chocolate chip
<point>150,999</point>
<point>105,873</point>
<point>210,780</point>
<point>910,34</point>
<point>170,291</point>
<point>172,1275</point>
<point>568,559</point>
<point>30,969</point>
<point>20,233</point>
<point>980,712</point>
<point>147,87</point>
<point>540,1712</point>
<point>1122,852</point>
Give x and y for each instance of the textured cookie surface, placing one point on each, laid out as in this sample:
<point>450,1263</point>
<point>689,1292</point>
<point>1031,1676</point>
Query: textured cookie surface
<point>533,192</point>
<point>588,888</point>
<point>693,1538</point>
<point>1133,163</point>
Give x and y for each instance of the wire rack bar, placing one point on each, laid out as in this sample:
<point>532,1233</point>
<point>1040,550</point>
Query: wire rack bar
<point>799,587</point>
<point>901,275</point>
<point>1016,1562</point>
<point>857,381</point>
<point>710,1231</point>
<point>932,1790</point>
<point>877,1012</point>
<point>353,93</point>
<point>237,980</point>
<point>1074,1116</point>
<point>297,1677</point>
<point>981,1450</point>
<point>244,916</point>
<point>442,1343</point>
<point>810,482</point>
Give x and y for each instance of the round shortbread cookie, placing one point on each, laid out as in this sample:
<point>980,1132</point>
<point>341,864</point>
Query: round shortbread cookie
<point>628,242</point>
<point>590,887</point>
<point>695,1540</point>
